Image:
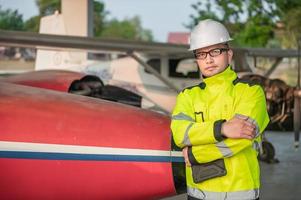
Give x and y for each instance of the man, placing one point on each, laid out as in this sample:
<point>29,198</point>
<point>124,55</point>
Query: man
<point>219,122</point>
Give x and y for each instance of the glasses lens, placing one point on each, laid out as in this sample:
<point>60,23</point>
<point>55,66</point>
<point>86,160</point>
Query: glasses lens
<point>215,52</point>
<point>201,55</point>
<point>212,53</point>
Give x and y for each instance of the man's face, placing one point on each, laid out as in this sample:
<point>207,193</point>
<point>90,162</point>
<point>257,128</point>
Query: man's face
<point>217,61</point>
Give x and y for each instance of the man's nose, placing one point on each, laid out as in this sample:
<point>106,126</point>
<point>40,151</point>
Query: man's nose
<point>209,59</point>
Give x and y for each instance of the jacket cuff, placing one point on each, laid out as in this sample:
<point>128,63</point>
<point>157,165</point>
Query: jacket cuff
<point>217,130</point>
<point>191,157</point>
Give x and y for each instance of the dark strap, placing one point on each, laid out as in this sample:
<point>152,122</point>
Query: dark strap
<point>192,198</point>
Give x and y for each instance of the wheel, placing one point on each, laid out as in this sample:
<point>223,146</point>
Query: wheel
<point>268,152</point>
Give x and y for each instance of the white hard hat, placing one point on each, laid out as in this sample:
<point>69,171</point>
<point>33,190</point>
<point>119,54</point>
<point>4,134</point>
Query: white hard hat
<point>208,32</point>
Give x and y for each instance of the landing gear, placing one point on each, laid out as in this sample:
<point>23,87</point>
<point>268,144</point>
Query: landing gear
<point>267,154</point>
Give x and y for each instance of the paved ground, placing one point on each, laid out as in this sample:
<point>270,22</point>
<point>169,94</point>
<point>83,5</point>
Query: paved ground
<point>281,181</point>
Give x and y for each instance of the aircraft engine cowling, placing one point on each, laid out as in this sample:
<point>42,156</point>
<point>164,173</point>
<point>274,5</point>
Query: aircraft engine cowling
<point>56,145</point>
<point>59,80</point>
<point>81,84</point>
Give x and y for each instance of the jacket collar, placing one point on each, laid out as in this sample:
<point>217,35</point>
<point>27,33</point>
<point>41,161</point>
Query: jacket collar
<point>227,76</point>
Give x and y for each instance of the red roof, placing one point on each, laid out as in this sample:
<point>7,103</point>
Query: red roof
<point>178,37</point>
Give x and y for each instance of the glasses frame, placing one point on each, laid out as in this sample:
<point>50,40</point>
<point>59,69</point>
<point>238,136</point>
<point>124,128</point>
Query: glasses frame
<point>198,57</point>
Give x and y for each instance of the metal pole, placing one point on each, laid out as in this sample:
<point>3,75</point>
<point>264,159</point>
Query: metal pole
<point>297,103</point>
<point>273,67</point>
<point>299,50</point>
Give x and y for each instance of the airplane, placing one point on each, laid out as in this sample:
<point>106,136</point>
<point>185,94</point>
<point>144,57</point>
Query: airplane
<point>19,91</point>
<point>55,145</point>
<point>160,70</point>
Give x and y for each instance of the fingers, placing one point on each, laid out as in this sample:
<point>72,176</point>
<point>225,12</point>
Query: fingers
<point>239,127</point>
<point>248,134</point>
<point>186,159</point>
<point>248,131</point>
<point>244,119</point>
<point>249,124</point>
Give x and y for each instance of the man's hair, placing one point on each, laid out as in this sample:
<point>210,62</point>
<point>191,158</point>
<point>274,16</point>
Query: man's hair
<point>227,45</point>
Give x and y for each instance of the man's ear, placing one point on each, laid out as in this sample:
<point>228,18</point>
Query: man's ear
<point>230,55</point>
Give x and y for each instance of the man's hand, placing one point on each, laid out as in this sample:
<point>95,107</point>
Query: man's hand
<point>185,154</point>
<point>239,127</point>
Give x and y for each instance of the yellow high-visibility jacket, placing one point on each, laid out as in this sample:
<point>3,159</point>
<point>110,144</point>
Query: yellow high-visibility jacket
<point>196,122</point>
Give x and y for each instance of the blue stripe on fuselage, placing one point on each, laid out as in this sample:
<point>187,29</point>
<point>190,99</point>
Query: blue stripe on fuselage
<point>88,157</point>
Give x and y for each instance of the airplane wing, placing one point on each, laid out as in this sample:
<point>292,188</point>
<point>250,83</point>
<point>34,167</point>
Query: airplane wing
<point>29,39</point>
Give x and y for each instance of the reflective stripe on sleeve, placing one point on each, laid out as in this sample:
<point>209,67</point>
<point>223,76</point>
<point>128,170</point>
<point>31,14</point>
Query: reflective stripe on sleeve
<point>256,145</point>
<point>251,120</point>
<point>241,195</point>
<point>182,116</point>
<point>186,140</point>
<point>224,149</point>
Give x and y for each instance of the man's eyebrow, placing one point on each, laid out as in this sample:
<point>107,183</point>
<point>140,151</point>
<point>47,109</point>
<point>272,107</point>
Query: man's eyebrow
<point>202,51</point>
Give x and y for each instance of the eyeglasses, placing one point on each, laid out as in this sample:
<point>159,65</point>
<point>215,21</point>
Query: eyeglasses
<point>201,55</point>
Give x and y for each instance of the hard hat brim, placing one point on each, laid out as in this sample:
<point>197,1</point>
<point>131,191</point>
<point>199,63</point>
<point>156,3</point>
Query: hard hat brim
<point>209,44</point>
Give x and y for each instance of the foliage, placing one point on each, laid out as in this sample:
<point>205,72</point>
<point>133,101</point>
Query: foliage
<point>202,13</point>
<point>99,17</point>
<point>250,22</point>
<point>11,20</point>
<point>126,29</point>
<point>32,24</point>
<point>48,7</point>
<point>254,23</point>
<point>289,12</point>
<point>256,32</point>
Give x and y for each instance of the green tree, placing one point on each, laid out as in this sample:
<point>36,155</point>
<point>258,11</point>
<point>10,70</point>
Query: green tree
<point>32,24</point>
<point>250,22</point>
<point>48,7</point>
<point>289,13</point>
<point>204,11</point>
<point>99,17</point>
<point>126,29</point>
<point>11,20</point>
<point>292,28</point>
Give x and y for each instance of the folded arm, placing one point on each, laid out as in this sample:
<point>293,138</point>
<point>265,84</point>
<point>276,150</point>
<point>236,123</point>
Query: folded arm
<point>186,131</point>
<point>250,108</point>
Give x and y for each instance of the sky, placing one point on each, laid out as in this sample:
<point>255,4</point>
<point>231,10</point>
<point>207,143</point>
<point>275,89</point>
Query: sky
<point>160,16</point>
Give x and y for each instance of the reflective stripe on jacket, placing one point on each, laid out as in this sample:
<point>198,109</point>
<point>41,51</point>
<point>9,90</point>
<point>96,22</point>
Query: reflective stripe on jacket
<point>196,122</point>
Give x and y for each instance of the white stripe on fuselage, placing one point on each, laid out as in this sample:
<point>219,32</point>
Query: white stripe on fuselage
<point>78,149</point>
